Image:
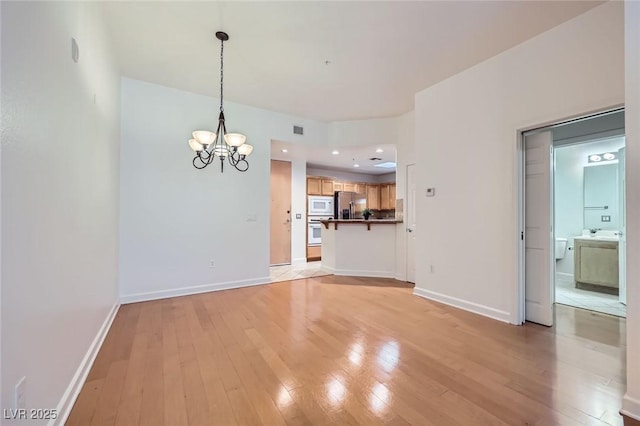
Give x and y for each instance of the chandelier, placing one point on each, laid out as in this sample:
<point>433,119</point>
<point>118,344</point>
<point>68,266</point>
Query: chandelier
<point>208,145</point>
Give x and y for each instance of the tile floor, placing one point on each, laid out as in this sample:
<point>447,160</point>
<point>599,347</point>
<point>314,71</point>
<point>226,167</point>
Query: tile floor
<point>295,272</point>
<point>567,294</point>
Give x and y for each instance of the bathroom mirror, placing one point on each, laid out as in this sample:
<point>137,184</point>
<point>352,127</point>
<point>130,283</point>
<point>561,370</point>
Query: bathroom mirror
<point>601,197</point>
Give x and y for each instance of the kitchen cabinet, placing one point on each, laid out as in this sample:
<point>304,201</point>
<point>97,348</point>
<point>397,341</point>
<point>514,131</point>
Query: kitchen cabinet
<point>319,186</point>
<point>349,186</point>
<point>314,186</point>
<point>327,187</point>
<point>373,197</point>
<point>314,253</point>
<point>388,196</point>
<point>339,186</point>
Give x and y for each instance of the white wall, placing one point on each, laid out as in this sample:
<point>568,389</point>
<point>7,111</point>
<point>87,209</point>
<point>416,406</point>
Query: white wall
<point>298,206</point>
<point>631,403</point>
<point>59,195</point>
<point>376,131</point>
<point>174,219</point>
<point>466,142</point>
<point>568,192</point>
<point>405,155</point>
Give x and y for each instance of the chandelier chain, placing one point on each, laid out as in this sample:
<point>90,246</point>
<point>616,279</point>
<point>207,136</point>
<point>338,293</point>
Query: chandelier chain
<point>221,74</point>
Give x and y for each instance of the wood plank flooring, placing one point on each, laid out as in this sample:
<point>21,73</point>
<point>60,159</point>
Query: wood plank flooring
<point>338,350</point>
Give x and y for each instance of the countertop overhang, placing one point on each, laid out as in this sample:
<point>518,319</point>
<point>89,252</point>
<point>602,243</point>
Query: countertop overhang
<point>358,221</point>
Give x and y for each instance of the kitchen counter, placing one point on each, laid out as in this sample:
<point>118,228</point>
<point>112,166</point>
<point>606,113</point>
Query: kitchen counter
<point>349,248</point>
<point>369,222</point>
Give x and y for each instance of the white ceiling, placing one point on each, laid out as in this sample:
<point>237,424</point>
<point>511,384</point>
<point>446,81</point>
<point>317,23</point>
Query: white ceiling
<point>380,53</point>
<point>322,157</point>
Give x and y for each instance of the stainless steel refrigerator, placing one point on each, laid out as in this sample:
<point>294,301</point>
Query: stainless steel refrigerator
<point>349,205</point>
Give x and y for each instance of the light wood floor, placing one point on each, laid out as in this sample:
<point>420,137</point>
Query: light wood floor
<point>335,350</point>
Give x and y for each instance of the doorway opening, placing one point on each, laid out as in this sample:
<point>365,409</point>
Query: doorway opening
<point>572,217</point>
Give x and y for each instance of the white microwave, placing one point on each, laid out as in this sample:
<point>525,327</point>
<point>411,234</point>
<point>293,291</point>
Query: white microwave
<point>320,206</point>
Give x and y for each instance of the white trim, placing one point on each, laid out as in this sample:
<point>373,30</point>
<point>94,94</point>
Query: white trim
<point>357,273</point>
<point>75,386</point>
<point>630,407</point>
<point>565,275</point>
<point>299,261</point>
<point>185,291</point>
<point>464,305</point>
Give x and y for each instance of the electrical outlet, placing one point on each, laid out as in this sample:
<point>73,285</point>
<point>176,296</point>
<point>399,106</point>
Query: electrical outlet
<point>20,394</point>
<point>212,263</point>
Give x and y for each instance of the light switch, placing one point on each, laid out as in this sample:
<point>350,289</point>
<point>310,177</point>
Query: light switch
<point>298,216</point>
<point>606,218</point>
<point>430,192</point>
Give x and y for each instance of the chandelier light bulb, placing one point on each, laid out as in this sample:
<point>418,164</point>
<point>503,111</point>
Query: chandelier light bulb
<point>204,137</point>
<point>195,145</point>
<point>245,149</point>
<point>235,139</point>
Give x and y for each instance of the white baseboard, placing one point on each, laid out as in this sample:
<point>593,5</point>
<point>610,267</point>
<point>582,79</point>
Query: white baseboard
<point>75,386</point>
<point>565,275</point>
<point>463,304</point>
<point>185,291</point>
<point>357,273</point>
<point>630,407</point>
<point>299,260</point>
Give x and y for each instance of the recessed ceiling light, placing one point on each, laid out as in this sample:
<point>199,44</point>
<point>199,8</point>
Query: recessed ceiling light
<point>379,150</point>
<point>335,152</point>
<point>609,156</point>
<point>285,150</point>
<point>356,165</point>
<point>595,157</point>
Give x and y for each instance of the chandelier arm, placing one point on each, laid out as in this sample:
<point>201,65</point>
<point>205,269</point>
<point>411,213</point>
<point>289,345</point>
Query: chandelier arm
<point>242,165</point>
<point>198,163</point>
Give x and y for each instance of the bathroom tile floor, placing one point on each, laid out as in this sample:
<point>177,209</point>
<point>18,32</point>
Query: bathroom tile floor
<point>296,272</point>
<point>567,294</point>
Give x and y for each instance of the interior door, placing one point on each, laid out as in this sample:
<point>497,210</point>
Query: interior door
<point>622,243</point>
<point>280,212</point>
<point>410,220</point>
<point>538,233</point>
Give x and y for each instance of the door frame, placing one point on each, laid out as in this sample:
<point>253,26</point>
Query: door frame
<point>405,212</point>
<point>518,311</point>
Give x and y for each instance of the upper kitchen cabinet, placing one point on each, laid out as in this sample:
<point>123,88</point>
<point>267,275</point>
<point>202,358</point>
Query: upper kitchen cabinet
<point>314,186</point>
<point>319,186</point>
<point>373,197</point>
<point>388,196</point>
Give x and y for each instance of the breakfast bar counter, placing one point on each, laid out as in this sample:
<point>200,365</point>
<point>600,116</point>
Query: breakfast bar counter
<point>364,248</point>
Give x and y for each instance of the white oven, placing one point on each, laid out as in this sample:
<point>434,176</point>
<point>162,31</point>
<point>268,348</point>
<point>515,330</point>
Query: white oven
<point>319,205</point>
<point>315,231</point>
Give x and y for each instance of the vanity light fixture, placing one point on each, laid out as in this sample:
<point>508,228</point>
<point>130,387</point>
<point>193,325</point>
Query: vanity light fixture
<point>606,156</point>
<point>207,145</point>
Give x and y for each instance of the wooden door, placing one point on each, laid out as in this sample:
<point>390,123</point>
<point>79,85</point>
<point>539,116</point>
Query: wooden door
<point>280,212</point>
<point>538,233</point>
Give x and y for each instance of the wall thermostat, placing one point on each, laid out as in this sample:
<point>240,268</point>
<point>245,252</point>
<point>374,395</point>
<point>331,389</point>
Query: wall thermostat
<point>430,192</point>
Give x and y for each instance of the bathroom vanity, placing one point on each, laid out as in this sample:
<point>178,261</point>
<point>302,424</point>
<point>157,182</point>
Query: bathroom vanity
<point>596,264</point>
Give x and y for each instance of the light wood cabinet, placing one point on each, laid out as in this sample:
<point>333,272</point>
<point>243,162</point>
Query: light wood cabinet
<point>314,186</point>
<point>392,196</point>
<point>314,253</point>
<point>384,197</point>
<point>319,186</point>
<point>349,186</point>
<point>373,197</point>
<point>327,187</point>
<point>339,186</point>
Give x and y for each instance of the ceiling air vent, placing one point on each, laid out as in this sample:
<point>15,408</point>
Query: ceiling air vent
<point>298,130</point>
